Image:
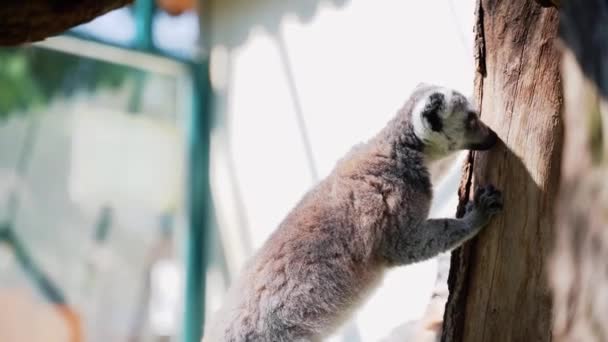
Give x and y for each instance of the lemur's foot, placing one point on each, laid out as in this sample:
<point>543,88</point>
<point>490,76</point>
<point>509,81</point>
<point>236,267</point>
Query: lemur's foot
<point>487,202</point>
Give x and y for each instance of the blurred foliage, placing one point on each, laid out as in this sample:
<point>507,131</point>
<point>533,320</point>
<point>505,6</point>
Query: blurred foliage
<point>31,77</point>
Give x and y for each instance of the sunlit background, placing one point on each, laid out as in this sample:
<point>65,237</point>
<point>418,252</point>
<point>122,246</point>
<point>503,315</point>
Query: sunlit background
<point>96,136</point>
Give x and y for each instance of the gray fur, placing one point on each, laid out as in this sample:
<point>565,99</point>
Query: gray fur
<point>369,214</point>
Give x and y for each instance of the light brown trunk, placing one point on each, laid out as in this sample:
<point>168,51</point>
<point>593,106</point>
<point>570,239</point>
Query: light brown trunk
<point>498,287</point>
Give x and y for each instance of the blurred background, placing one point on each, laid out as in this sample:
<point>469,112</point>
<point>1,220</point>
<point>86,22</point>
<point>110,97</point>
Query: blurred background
<point>143,160</point>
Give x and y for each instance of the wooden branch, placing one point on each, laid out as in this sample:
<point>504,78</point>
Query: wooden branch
<point>498,290</point>
<point>583,31</point>
<point>34,20</point>
<point>578,266</point>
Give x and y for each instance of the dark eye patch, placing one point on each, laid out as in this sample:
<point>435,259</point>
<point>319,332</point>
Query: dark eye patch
<point>434,105</point>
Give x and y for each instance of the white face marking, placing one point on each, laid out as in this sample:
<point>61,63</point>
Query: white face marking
<point>447,95</point>
<point>420,128</point>
<point>436,142</point>
<point>451,137</point>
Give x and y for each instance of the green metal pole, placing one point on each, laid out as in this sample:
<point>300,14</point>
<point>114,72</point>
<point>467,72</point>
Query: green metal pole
<point>49,290</point>
<point>144,13</point>
<point>199,204</point>
<point>200,191</point>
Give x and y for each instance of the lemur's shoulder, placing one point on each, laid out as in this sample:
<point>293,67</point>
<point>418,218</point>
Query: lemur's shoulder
<point>382,161</point>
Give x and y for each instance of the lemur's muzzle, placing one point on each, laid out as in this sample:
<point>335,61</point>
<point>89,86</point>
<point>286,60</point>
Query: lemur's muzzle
<point>486,139</point>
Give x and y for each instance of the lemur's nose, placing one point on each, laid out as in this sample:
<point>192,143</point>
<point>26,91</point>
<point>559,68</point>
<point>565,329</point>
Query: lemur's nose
<point>488,141</point>
<point>491,139</point>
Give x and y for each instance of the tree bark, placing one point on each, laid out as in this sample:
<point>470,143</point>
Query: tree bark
<point>497,282</point>
<point>579,272</point>
<point>33,20</point>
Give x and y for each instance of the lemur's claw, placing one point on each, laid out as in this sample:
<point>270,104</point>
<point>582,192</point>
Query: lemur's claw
<point>488,200</point>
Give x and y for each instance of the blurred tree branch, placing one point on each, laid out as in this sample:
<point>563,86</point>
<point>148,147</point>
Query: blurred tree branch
<point>34,20</point>
<point>578,273</point>
<point>549,3</point>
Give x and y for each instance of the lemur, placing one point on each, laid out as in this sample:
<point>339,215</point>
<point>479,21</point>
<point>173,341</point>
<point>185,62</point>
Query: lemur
<point>369,214</point>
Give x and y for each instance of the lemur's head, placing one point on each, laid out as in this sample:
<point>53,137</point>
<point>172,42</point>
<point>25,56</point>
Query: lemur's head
<point>446,121</point>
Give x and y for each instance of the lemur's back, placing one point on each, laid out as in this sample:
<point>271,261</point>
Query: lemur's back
<point>370,213</point>
<point>309,274</point>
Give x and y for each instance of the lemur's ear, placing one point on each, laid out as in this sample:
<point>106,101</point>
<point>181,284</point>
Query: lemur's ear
<point>431,113</point>
<point>422,85</point>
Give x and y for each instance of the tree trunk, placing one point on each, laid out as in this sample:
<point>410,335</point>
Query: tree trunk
<point>579,273</point>
<point>497,282</point>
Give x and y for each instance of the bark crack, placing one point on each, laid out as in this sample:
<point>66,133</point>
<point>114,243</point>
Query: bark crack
<point>458,278</point>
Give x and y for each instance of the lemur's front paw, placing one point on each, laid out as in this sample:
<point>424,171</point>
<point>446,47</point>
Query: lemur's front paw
<point>487,201</point>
